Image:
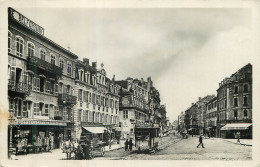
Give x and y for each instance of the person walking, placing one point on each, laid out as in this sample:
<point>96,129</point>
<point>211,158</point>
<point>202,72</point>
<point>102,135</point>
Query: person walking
<point>200,142</point>
<point>126,144</point>
<point>130,144</point>
<point>238,137</point>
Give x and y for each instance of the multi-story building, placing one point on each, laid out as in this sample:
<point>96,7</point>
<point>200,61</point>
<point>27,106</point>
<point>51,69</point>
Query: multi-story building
<point>181,124</point>
<point>40,87</point>
<point>133,105</point>
<point>195,115</point>
<point>211,117</point>
<point>235,104</point>
<point>97,108</point>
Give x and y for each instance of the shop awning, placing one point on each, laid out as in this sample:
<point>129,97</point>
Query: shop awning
<point>236,126</point>
<point>94,129</point>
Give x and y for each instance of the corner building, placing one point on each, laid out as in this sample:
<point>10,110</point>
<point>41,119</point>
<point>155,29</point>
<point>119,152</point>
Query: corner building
<point>235,104</point>
<point>40,86</point>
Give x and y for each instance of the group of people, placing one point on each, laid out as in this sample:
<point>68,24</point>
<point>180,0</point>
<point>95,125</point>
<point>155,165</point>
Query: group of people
<point>44,143</point>
<point>80,150</point>
<point>128,145</point>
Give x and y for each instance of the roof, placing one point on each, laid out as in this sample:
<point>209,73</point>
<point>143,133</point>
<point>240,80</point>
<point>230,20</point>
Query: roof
<point>38,35</point>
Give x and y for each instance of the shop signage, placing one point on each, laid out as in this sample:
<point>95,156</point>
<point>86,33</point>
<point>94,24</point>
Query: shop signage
<point>25,21</point>
<point>38,122</point>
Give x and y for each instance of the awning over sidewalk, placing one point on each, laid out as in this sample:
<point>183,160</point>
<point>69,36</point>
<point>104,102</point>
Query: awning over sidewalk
<point>94,129</point>
<point>236,126</point>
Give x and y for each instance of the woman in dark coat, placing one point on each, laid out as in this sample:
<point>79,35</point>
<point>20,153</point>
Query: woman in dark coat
<point>126,145</point>
<point>130,144</point>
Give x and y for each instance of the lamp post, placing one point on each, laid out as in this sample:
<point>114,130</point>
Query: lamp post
<point>11,123</point>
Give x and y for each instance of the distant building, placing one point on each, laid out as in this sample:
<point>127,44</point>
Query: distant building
<point>235,104</point>
<point>133,106</point>
<point>211,117</point>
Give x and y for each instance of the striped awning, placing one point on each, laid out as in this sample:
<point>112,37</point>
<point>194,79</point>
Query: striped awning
<point>236,126</point>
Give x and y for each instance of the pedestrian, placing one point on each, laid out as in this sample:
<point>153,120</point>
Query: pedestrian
<point>130,144</point>
<point>200,142</point>
<point>67,148</point>
<point>238,137</point>
<point>126,144</point>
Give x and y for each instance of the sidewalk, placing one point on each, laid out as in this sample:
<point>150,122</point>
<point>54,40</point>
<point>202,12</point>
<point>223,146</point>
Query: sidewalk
<point>245,142</point>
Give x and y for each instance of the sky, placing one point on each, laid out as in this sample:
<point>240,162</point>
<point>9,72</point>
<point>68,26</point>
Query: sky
<point>186,51</point>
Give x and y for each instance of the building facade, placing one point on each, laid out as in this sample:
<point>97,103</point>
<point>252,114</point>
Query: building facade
<point>40,87</point>
<point>235,104</point>
<point>98,100</point>
<point>211,117</point>
<point>133,105</point>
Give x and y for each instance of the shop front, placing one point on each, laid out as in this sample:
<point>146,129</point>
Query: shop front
<point>230,130</point>
<point>37,135</point>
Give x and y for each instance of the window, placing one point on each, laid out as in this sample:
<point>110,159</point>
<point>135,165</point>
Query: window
<point>235,114</point>
<point>46,110</point>
<point>80,95</point>
<point>19,46</point>
<point>25,113</point>
<point>236,89</point>
<point>69,68</point>
<point>42,82</point>
<point>245,88</point>
<point>61,64</point>
<point>30,47</point>
<point>235,102</point>
<point>125,114</point>
<point>245,114</point>
<point>245,101</point>
<point>93,98</point>
<point>53,59</point>
<point>36,110</point>
<point>36,84</point>
<point>9,41</point>
<point>90,97</point>
<point>65,114</point>
<point>43,54</point>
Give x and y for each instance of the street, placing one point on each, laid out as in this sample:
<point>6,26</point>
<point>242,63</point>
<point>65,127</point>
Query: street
<point>186,149</point>
<point>170,148</point>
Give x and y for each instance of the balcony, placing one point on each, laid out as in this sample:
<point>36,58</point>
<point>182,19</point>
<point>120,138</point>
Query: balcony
<point>67,99</point>
<point>19,87</point>
<point>35,62</point>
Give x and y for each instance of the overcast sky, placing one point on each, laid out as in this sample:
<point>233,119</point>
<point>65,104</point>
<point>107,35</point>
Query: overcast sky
<point>187,52</point>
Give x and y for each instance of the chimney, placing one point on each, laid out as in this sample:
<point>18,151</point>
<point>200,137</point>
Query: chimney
<point>94,64</point>
<point>199,98</point>
<point>86,61</point>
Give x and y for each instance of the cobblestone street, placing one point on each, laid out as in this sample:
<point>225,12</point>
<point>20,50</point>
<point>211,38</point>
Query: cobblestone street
<point>170,148</point>
<point>215,149</point>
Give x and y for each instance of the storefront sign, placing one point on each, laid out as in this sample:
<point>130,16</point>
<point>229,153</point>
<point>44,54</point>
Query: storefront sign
<point>25,21</point>
<point>39,122</point>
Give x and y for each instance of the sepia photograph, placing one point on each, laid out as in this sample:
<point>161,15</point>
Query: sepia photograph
<point>125,83</point>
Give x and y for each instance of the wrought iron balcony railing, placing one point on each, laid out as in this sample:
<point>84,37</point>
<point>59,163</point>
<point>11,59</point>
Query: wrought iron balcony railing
<point>67,99</point>
<point>19,87</point>
<point>35,62</point>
